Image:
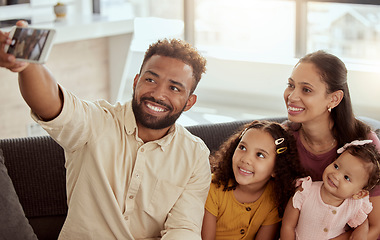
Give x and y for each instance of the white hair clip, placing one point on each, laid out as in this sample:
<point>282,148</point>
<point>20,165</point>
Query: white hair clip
<point>353,143</point>
<point>279,141</point>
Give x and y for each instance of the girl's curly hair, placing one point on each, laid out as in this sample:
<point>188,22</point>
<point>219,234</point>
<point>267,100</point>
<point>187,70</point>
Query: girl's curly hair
<point>287,166</point>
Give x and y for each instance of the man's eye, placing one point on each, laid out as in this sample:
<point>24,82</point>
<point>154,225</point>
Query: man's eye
<point>336,166</point>
<point>149,80</point>
<point>347,178</point>
<point>174,88</point>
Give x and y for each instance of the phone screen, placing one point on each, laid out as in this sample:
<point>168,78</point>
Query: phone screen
<point>27,43</point>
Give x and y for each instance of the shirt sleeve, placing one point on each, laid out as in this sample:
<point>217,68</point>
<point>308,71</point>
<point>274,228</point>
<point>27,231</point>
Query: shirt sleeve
<point>300,196</point>
<point>212,200</point>
<point>74,126</point>
<point>362,213</point>
<point>185,218</point>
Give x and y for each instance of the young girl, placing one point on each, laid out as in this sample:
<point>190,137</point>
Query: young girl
<point>321,209</point>
<point>254,173</point>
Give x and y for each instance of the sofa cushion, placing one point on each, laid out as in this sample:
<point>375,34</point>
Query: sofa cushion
<point>214,134</point>
<point>13,223</point>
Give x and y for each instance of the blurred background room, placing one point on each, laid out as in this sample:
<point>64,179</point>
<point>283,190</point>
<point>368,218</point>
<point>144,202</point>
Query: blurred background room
<point>251,47</point>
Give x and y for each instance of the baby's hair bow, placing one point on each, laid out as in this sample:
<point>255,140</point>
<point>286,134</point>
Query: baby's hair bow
<point>353,143</point>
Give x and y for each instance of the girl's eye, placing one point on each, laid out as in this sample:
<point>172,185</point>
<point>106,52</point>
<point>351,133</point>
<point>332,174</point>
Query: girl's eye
<point>290,85</point>
<point>242,147</point>
<point>260,155</point>
<point>347,178</point>
<point>336,166</point>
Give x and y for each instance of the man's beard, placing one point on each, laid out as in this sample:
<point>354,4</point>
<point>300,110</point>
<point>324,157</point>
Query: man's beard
<point>150,121</point>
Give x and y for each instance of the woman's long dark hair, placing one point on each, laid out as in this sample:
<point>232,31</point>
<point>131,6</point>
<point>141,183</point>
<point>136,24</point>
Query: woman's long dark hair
<point>333,73</point>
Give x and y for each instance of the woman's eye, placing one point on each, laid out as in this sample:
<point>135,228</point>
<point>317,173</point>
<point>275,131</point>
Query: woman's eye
<point>290,85</point>
<point>347,178</point>
<point>307,90</point>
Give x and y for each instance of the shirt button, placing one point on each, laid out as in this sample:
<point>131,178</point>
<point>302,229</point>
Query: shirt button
<point>248,209</point>
<point>131,196</point>
<point>333,211</point>
<point>242,231</point>
<point>325,230</point>
<point>142,150</point>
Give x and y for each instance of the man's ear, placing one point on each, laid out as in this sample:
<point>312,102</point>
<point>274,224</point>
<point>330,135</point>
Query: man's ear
<point>361,194</point>
<point>135,80</point>
<point>190,102</point>
<point>336,98</point>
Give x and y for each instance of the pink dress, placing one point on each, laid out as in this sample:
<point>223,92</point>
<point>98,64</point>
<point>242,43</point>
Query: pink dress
<point>318,220</point>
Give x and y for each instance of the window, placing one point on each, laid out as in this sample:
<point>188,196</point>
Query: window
<point>245,28</point>
<point>348,30</point>
<point>276,29</point>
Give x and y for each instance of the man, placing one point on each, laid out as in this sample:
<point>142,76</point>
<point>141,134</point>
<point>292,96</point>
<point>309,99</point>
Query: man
<point>132,173</point>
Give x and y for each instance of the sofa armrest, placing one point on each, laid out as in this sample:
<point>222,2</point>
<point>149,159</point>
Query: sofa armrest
<point>36,166</point>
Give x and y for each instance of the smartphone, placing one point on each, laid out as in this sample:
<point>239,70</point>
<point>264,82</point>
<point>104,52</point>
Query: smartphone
<point>30,44</point>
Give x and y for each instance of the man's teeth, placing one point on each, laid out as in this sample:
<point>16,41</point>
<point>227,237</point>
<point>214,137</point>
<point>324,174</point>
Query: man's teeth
<point>295,109</point>
<point>245,171</point>
<point>155,108</point>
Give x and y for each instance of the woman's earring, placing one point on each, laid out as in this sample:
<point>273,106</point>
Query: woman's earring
<point>329,109</point>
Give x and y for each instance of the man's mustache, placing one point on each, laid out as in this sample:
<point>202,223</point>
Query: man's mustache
<point>160,102</point>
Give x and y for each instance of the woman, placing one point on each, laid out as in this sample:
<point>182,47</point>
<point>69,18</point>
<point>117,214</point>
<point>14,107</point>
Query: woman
<point>320,113</point>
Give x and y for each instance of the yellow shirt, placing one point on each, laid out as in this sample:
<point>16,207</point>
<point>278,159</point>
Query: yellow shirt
<point>235,220</point>
<point>119,187</point>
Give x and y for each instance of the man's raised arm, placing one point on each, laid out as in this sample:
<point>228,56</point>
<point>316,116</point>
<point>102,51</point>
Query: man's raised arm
<point>40,91</point>
<point>38,87</point>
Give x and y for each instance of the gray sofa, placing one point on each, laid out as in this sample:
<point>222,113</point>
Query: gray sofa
<point>36,167</point>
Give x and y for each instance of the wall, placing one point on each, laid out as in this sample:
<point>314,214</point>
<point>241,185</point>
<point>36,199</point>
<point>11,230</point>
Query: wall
<point>81,67</point>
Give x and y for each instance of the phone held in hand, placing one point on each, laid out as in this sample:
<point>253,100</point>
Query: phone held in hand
<point>30,44</point>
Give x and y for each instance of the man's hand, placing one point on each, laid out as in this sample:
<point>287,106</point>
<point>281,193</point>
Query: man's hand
<point>7,60</point>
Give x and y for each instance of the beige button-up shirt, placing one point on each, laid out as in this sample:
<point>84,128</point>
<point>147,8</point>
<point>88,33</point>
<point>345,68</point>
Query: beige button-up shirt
<point>119,187</point>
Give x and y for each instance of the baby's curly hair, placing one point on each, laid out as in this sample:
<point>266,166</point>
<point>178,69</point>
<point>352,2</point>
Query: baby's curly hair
<point>287,166</point>
<point>368,154</point>
<point>181,50</point>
